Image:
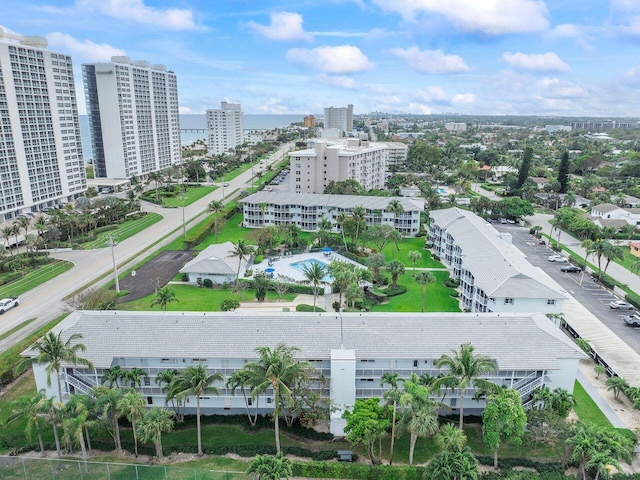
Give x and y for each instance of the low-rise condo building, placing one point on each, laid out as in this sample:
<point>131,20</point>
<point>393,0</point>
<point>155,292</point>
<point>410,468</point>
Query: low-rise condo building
<point>306,209</point>
<point>494,275</point>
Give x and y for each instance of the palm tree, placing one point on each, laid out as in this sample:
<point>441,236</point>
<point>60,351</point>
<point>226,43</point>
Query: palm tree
<point>423,278</point>
<point>414,257</point>
<point>341,220</point>
<point>134,376</point>
<point>40,224</point>
<point>600,248</point>
<point>241,251</point>
<point>352,293</point>
<point>29,407</point>
<point>195,381</point>
<point>164,297</point>
<point>392,378</point>
<point>74,425</point>
<point>16,229</point>
<point>358,216</point>
<point>449,437</point>
<point>465,369</point>
<point>24,223</point>
<point>396,208</point>
<point>7,232</point>
<point>107,400</point>
<point>617,384</point>
<point>395,269</point>
<point>268,467</point>
<point>419,415</point>
<point>53,351</point>
<point>155,421</point>
<point>314,274</point>
<point>276,369</point>
<point>112,375</point>
<point>51,409</point>
<point>240,379</point>
<point>157,178</point>
<point>164,380</point>
<point>132,407</point>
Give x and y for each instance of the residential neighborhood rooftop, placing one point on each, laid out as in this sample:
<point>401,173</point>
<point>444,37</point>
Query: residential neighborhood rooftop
<point>332,201</point>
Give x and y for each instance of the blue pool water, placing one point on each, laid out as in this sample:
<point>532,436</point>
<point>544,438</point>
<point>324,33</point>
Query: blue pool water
<point>441,191</point>
<point>307,263</point>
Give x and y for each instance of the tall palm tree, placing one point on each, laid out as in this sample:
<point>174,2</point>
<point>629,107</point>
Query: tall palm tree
<point>268,467</point>
<point>423,278</point>
<point>112,375</point>
<point>314,274</point>
<point>393,394</point>
<point>53,351</point>
<point>134,376</point>
<point>601,248</point>
<point>395,269</point>
<point>414,257</point>
<point>29,407</point>
<point>164,297</point>
<point>74,425</point>
<point>195,381</point>
<point>132,407</point>
<point>242,251</point>
<point>7,232</point>
<point>157,178</point>
<point>419,413</point>
<point>24,223</point>
<point>40,224</point>
<point>155,421</point>
<point>359,218</point>
<point>107,400</point>
<point>341,220</point>
<point>215,207</point>
<point>16,229</point>
<point>465,369</point>
<point>164,379</point>
<point>276,369</point>
<point>396,208</point>
<point>240,379</point>
<point>51,410</point>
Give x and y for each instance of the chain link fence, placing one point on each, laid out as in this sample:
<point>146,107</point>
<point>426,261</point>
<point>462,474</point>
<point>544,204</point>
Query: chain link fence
<point>24,468</point>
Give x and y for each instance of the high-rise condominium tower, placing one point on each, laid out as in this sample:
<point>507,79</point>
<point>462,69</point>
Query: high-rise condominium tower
<point>341,118</point>
<point>133,116</point>
<point>41,163</point>
<point>225,128</point>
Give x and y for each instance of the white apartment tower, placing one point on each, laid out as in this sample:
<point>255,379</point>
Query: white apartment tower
<point>41,162</point>
<point>133,116</point>
<point>225,128</point>
<point>351,159</point>
<point>340,118</point>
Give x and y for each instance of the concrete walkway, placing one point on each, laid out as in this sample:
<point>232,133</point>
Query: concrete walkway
<point>601,402</point>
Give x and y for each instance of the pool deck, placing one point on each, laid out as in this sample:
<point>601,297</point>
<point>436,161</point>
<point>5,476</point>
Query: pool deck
<point>284,270</point>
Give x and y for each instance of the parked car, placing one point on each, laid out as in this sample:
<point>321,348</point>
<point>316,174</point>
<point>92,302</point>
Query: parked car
<point>557,258</point>
<point>503,220</point>
<point>511,221</point>
<point>8,304</point>
<point>570,269</point>
<point>225,184</point>
<point>632,320</point>
<point>620,305</point>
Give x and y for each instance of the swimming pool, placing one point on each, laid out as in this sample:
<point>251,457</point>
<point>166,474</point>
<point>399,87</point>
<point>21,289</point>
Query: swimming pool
<point>442,191</point>
<point>307,263</point>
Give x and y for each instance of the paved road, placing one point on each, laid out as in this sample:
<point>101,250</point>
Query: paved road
<point>590,294</point>
<point>46,301</point>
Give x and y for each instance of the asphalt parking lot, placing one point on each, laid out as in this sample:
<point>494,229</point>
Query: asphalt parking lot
<point>589,293</point>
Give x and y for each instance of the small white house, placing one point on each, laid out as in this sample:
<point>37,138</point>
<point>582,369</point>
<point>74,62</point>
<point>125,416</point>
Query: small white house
<point>216,263</point>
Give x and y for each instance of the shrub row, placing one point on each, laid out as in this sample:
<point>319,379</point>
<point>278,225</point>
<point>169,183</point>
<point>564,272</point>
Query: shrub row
<point>509,463</point>
<point>199,233</point>
<point>293,287</point>
<point>392,292</point>
<point>308,308</point>
<point>357,471</point>
<point>12,277</point>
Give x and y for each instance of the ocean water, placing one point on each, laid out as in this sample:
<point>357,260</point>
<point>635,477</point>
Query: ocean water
<point>249,122</point>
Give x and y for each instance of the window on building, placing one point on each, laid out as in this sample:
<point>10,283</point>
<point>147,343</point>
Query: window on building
<point>508,301</point>
<point>551,301</point>
<point>415,364</point>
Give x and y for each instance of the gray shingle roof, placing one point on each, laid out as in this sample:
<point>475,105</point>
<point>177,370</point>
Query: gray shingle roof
<point>498,267</point>
<point>515,341</point>
<point>215,260</point>
<point>605,207</point>
<point>332,201</point>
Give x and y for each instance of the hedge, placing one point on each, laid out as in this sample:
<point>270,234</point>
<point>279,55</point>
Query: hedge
<point>105,228</point>
<point>199,233</point>
<point>308,308</point>
<point>392,292</point>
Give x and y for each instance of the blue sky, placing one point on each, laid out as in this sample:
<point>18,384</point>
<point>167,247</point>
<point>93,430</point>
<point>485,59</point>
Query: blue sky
<point>519,57</point>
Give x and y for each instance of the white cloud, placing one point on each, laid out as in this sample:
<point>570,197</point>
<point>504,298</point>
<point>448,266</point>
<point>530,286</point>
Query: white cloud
<point>185,110</point>
<point>338,81</point>
<point>341,59</point>
<point>557,89</point>
<point>577,33</point>
<point>432,94</point>
<point>283,26</point>
<point>8,30</point>
<point>137,11</point>
<point>359,3</point>
<point>464,98</point>
<point>274,106</point>
<point>544,62</point>
<point>85,49</point>
<point>491,17</point>
<point>430,61</point>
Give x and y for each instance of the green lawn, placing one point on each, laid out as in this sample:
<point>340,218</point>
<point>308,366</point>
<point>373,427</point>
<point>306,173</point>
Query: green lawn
<point>192,194</point>
<point>16,328</point>
<point>586,408</point>
<point>438,297</point>
<point>628,259</point>
<point>125,230</point>
<point>407,245</point>
<point>235,172</point>
<point>196,299</point>
<point>34,278</point>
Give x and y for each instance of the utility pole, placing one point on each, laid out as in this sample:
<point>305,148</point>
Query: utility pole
<point>184,227</point>
<point>112,241</point>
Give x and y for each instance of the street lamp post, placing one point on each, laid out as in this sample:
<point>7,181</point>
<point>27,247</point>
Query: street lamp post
<point>112,241</point>
<point>223,193</point>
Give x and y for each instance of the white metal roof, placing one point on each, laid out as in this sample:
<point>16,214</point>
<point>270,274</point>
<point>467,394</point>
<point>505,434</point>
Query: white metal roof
<point>332,201</point>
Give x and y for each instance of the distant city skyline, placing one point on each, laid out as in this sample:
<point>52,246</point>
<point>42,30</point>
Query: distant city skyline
<point>505,57</point>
